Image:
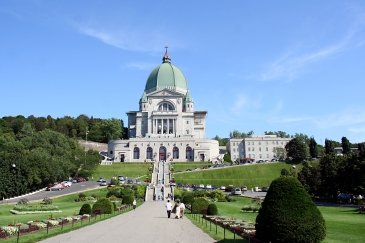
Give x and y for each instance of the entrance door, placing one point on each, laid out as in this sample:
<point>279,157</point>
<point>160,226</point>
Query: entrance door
<point>162,153</point>
<point>122,158</point>
<point>202,157</point>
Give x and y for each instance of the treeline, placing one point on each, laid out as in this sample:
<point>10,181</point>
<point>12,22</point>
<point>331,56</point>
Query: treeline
<point>96,129</point>
<point>31,159</point>
<point>335,174</point>
<point>340,168</point>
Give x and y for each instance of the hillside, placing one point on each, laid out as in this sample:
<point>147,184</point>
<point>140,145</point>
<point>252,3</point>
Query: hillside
<point>245,175</point>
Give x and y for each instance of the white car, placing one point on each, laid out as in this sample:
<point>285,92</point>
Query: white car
<point>208,186</point>
<point>237,191</point>
<point>223,188</point>
<point>201,186</point>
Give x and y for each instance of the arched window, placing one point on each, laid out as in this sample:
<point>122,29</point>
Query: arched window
<point>136,153</point>
<point>175,153</point>
<point>166,106</point>
<point>149,153</point>
<point>189,153</point>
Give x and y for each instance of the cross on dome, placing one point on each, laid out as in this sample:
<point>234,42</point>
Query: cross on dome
<point>166,57</point>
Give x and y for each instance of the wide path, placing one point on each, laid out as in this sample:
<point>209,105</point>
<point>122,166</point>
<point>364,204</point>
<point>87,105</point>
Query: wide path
<point>148,223</point>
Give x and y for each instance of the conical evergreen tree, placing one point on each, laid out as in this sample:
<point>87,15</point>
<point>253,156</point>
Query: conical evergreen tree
<point>289,215</point>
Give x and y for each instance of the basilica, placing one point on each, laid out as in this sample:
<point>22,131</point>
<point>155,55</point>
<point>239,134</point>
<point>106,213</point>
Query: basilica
<point>166,126</point>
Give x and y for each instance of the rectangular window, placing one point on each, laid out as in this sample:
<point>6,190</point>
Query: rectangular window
<point>267,149</point>
<point>260,149</point>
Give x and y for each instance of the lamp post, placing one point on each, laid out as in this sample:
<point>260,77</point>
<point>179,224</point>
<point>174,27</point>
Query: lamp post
<point>86,132</point>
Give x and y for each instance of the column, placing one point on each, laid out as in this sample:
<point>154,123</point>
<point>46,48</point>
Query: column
<point>168,126</point>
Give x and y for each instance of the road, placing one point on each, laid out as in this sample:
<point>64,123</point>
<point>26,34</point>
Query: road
<point>76,187</point>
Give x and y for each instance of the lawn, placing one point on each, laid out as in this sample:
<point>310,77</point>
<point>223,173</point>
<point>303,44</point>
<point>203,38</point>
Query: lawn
<point>343,224</point>
<point>67,204</point>
<point>183,166</point>
<point>247,175</point>
<point>130,170</point>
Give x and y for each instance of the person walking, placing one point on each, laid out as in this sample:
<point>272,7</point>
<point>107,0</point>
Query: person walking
<point>182,209</point>
<point>177,207</point>
<point>134,204</point>
<point>168,208</point>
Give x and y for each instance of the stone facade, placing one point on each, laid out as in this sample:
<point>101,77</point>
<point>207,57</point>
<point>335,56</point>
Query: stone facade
<point>166,126</point>
<point>265,147</point>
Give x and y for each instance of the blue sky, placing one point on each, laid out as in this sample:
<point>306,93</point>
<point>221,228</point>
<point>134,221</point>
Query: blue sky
<point>294,66</point>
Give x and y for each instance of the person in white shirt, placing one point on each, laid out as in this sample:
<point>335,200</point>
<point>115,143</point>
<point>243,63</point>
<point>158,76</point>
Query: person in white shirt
<point>168,208</point>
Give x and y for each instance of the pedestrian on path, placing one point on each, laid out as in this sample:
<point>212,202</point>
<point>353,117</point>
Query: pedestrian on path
<point>134,204</point>
<point>182,209</point>
<point>177,209</point>
<point>168,208</point>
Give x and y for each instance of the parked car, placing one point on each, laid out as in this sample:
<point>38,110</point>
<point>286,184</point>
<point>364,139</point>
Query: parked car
<point>100,179</point>
<point>66,183</point>
<point>244,188</point>
<point>57,187</point>
<point>208,186</point>
<point>223,188</point>
<point>201,186</point>
<point>103,183</point>
<point>236,191</point>
<point>264,189</point>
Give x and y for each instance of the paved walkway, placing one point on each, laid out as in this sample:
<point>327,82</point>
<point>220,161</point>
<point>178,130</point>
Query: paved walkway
<point>148,223</point>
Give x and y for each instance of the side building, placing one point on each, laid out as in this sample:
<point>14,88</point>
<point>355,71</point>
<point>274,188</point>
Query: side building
<point>166,126</point>
<point>257,148</point>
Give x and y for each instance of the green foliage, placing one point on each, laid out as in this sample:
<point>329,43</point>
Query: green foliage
<point>139,191</point>
<point>297,149</point>
<point>309,176</point>
<point>128,200</point>
<point>103,205</point>
<point>313,148</point>
<point>200,205</point>
<point>227,157</point>
<point>85,209</point>
<point>289,215</point>
<point>237,134</point>
<point>187,198</point>
<point>47,201</point>
<point>114,181</point>
<point>346,145</point>
<point>212,209</point>
<point>35,207</point>
<point>114,191</point>
<point>23,201</point>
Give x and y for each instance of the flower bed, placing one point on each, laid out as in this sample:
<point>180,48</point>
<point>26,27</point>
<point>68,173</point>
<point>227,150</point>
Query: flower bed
<point>242,228</point>
<point>39,207</point>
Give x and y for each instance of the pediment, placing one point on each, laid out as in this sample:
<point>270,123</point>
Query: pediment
<point>165,93</point>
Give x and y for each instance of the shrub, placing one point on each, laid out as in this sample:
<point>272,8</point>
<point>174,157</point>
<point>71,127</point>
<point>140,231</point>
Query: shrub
<point>47,201</point>
<point>114,181</point>
<point>212,209</point>
<point>128,200</point>
<point>127,191</point>
<point>23,201</point>
<point>85,209</point>
<point>199,205</point>
<point>187,198</point>
<point>113,192</point>
<point>103,205</point>
<point>289,215</point>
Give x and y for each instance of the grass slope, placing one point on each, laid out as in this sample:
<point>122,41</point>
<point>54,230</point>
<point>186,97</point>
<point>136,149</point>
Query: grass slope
<point>247,175</point>
<point>182,166</point>
<point>130,170</point>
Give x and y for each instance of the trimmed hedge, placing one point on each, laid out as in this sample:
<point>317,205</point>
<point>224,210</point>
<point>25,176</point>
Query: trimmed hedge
<point>103,205</point>
<point>289,215</point>
<point>212,209</point>
<point>200,205</point>
<point>85,209</point>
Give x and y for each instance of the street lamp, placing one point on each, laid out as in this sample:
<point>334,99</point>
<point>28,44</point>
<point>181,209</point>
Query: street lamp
<point>86,132</point>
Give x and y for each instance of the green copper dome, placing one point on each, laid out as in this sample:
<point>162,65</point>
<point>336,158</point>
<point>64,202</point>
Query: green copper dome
<point>166,76</point>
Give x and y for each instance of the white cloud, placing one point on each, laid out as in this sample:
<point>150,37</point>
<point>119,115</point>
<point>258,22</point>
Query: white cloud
<point>141,65</point>
<point>130,39</point>
<point>291,64</point>
<point>244,105</point>
<point>347,119</point>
